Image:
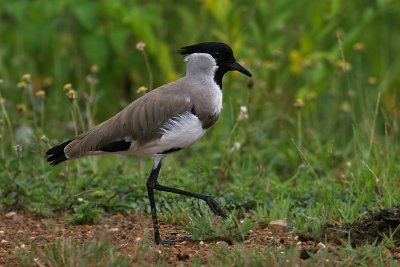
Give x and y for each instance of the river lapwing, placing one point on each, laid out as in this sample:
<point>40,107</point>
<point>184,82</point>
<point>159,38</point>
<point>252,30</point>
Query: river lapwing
<point>163,121</point>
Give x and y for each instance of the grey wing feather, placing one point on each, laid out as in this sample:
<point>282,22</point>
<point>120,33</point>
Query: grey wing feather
<point>142,121</point>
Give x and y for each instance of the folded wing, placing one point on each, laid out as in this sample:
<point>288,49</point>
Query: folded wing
<point>139,123</point>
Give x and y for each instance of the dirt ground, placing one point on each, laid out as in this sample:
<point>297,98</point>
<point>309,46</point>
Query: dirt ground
<point>125,232</point>
<point>373,227</point>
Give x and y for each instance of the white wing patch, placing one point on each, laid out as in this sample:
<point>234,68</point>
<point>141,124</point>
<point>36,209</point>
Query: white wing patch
<point>182,131</point>
<point>179,132</point>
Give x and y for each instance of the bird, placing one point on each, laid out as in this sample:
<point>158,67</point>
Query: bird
<point>163,121</point>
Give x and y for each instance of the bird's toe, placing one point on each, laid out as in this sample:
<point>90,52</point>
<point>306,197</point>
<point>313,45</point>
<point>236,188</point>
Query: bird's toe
<point>170,242</point>
<point>216,208</point>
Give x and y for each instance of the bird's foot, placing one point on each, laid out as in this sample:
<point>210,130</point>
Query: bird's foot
<point>215,207</point>
<point>160,241</point>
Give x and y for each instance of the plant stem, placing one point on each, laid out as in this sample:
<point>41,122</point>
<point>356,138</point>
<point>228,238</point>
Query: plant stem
<point>299,127</point>
<point>7,118</point>
<point>146,60</point>
<point>35,119</point>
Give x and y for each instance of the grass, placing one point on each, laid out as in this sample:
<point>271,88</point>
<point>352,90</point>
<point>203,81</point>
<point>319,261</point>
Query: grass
<point>204,227</point>
<point>68,252</point>
<point>316,144</point>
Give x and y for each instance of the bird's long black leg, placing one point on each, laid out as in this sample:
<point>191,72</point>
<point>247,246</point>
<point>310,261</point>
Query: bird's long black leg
<point>214,206</point>
<point>151,184</point>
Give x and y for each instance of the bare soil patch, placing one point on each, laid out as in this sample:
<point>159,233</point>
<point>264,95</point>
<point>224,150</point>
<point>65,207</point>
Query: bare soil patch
<point>368,230</point>
<point>123,232</point>
<point>128,232</point>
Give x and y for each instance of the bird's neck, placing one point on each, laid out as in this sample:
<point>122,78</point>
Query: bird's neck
<point>218,75</point>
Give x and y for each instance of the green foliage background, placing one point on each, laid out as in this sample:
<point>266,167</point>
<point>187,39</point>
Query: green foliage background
<point>330,159</point>
<point>62,39</point>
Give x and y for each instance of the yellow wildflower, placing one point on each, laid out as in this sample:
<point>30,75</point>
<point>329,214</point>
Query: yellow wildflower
<point>277,52</point>
<point>47,82</point>
<point>26,78</point>
<point>311,95</point>
<point>141,89</point>
<point>299,103</point>
<point>44,139</point>
<point>21,107</point>
<point>94,68</point>
<point>71,94</point>
<point>269,65</point>
<point>22,85</point>
<point>359,47</point>
<point>372,80</point>
<point>340,33</point>
<point>67,87</point>
<point>40,94</point>
<point>343,65</point>
<point>307,63</point>
<point>345,107</point>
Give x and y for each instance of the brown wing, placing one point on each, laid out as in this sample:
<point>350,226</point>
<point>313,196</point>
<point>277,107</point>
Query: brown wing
<point>141,120</point>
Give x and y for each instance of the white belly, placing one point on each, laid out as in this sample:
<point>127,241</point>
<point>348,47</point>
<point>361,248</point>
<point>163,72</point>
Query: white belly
<point>180,132</point>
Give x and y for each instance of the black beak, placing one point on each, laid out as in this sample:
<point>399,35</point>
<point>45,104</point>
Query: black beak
<point>240,68</point>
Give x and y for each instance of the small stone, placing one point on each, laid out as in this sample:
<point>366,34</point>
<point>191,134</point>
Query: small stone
<point>113,230</point>
<point>3,241</point>
<point>320,246</point>
<point>138,239</point>
<point>10,214</point>
<point>278,226</point>
<point>1,232</point>
<point>201,243</point>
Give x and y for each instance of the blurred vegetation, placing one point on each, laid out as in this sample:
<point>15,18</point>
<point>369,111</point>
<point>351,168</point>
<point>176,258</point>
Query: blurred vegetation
<point>313,137</point>
<point>291,46</point>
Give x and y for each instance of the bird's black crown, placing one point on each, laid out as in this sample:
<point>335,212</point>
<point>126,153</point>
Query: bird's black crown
<point>219,51</point>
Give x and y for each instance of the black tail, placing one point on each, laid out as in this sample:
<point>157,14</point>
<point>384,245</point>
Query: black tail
<point>57,154</point>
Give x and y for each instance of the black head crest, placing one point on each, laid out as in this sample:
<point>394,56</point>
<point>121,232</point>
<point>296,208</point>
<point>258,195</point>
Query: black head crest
<point>216,49</point>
